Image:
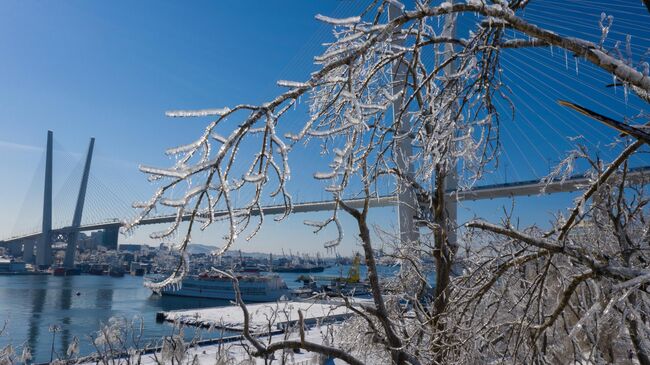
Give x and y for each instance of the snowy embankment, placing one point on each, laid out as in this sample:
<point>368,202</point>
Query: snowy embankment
<point>264,317</point>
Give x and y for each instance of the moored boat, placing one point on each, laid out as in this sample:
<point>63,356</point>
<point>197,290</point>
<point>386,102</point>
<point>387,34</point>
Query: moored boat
<point>253,288</point>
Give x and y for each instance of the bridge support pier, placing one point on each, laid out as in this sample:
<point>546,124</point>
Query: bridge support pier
<point>28,250</point>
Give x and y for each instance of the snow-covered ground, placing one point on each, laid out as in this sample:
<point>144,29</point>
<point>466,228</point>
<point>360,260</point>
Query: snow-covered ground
<point>268,320</point>
<point>263,317</point>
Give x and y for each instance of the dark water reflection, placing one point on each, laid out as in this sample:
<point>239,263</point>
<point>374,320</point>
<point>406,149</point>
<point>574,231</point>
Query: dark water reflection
<point>32,306</point>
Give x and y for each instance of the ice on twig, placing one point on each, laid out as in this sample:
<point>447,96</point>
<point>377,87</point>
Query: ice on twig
<point>184,148</point>
<point>314,223</point>
<point>218,137</point>
<point>198,113</point>
<point>292,84</point>
<point>253,178</point>
<point>324,175</point>
<point>338,52</point>
<point>162,172</point>
<point>340,21</point>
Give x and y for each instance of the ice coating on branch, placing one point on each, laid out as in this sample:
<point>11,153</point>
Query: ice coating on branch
<point>163,172</point>
<point>198,113</point>
<point>334,188</point>
<point>253,178</point>
<point>217,137</point>
<point>338,21</point>
<point>175,280</point>
<point>173,202</point>
<point>324,175</point>
<point>350,38</point>
<point>292,84</point>
<point>338,52</point>
<point>563,170</point>
<point>184,148</point>
<point>313,223</point>
<point>605,23</point>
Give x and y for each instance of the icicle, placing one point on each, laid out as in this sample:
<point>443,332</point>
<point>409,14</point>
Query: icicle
<point>576,59</point>
<point>566,60</point>
<point>628,48</point>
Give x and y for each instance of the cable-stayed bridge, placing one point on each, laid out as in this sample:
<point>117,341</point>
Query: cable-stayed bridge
<point>36,247</point>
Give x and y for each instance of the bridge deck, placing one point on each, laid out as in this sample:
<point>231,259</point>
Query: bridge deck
<point>523,188</point>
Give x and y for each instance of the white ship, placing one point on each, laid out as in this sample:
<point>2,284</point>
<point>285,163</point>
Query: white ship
<point>254,288</point>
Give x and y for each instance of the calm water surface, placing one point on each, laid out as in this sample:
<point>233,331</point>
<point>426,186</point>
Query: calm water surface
<point>78,305</point>
<point>31,304</point>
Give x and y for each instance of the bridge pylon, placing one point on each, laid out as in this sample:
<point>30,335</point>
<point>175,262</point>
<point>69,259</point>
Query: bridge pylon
<point>71,248</point>
<point>44,248</point>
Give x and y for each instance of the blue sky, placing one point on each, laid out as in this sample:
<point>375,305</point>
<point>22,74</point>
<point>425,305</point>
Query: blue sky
<point>111,69</point>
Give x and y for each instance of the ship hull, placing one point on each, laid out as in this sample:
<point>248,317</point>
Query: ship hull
<point>251,290</point>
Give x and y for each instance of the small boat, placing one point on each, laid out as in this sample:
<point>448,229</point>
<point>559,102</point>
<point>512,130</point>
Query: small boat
<point>253,287</point>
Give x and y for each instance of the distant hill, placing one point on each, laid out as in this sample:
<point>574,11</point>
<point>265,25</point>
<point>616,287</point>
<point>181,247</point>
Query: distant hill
<point>196,248</point>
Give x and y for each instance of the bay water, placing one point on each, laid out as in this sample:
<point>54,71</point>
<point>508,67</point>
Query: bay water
<point>47,312</point>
